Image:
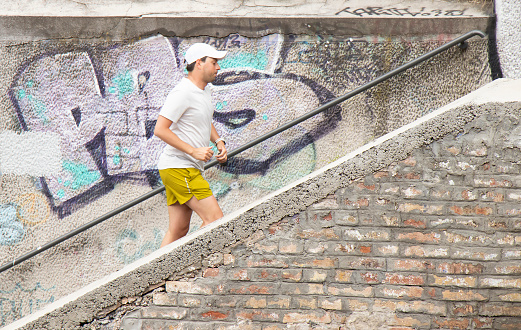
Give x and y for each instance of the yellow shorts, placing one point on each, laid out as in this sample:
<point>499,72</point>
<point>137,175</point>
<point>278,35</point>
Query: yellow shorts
<point>183,183</point>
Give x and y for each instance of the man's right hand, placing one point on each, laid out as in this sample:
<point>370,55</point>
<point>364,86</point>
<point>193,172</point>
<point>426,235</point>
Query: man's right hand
<point>204,153</point>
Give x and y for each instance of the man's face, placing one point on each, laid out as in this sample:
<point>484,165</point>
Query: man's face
<point>210,68</point>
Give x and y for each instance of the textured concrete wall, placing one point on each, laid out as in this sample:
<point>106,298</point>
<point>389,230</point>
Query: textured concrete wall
<point>457,209</point>
<point>509,37</point>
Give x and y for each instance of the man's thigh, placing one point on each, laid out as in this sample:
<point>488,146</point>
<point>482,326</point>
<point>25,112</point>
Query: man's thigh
<point>208,208</point>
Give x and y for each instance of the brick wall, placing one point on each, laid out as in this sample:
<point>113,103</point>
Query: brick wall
<point>432,241</point>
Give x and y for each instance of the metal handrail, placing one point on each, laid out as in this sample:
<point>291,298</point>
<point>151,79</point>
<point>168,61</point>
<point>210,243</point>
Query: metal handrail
<point>461,40</point>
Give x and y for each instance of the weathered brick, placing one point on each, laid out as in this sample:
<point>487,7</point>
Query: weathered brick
<point>190,300</point>
<point>366,235</point>
<point>265,247</point>
<point>385,249</point>
<point>507,323</point>
<point>315,247</point>
<point>219,326</point>
<point>415,192</point>
<point>292,274</point>
<point>464,295</point>
<point>280,302</point>
<point>267,261</point>
<point>420,237</point>
<point>301,288</point>
<point>256,288</point>
<point>507,268</point>
<point>397,278</point>
<point>500,310</point>
<point>483,323</point>
<point>321,218</point>
<point>356,203</point>
<point>343,248</point>
<point>468,238</point>
<point>330,304</point>
<point>415,306</point>
<point>410,265</point>
<point>369,277</point>
<point>211,272</point>
<point>171,313</point>
<point>188,287</point>
<point>459,268</point>
<point>460,281</point>
<point>228,259</point>
<point>492,182</point>
<point>256,302</point>
<point>409,322</point>
<point>290,246</point>
<point>441,193</point>
<point>511,254</point>
<point>492,196</point>
<point>361,263</point>
<point>316,317</point>
<point>426,251</point>
<point>314,275</point>
<point>416,223</point>
<point>164,299</point>
<point>500,282</point>
<point>399,292</point>
<point>345,218</point>
<point>423,208</point>
<point>507,296</point>
<point>507,239</point>
<point>390,220</point>
<point>326,233</point>
<point>350,290</point>
<point>474,253</point>
<point>304,302</point>
<point>238,274</point>
<point>471,210</point>
<point>219,300</point>
<point>465,194</point>
<point>266,274</point>
<point>463,309</point>
<point>342,275</point>
<point>451,323</point>
<point>356,305</point>
<point>314,262</point>
<point>257,315</point>
<point>514,195</point>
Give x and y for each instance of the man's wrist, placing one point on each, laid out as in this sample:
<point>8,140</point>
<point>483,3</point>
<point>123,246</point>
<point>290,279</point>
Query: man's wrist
<point>219,140</point>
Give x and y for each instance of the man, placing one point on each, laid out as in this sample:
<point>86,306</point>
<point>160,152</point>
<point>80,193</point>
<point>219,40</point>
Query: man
<point>185,124</point>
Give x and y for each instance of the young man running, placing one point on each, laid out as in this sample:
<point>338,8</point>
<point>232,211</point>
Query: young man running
<point>185,124</point>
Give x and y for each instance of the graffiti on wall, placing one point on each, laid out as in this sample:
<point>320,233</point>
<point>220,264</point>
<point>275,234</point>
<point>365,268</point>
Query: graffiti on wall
<point>104,102</point>
<point>402,12</point>
<point>14,308</point>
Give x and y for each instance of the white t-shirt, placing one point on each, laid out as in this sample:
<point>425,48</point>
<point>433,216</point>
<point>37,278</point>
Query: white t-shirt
<point>191,110</point>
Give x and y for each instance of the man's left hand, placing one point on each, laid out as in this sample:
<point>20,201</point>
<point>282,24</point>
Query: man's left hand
<point>222,157</point>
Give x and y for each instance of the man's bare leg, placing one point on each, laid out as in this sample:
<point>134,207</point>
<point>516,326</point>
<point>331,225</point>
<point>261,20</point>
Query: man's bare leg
<point>208,209</point>
<point>179,222</point>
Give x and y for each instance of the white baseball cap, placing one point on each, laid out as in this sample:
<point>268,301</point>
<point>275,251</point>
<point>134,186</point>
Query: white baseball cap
<point>200,50</point>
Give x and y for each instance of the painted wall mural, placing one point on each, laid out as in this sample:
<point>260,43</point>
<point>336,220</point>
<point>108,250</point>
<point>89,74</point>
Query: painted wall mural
<point>103,103</point>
